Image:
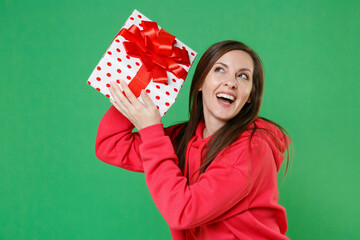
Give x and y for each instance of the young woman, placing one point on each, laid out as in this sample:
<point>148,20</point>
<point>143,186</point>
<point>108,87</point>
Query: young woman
<point>214,176</point>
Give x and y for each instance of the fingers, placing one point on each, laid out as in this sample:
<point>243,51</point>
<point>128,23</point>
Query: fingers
<point>127,103</point>
<point>117,93</point>
<point>119,107</point>
<point>120,101</point>
<point>140,114</point>
<point>127,98</point>
<point>124,99</point>
<point>147,100</point>
<point>129,94</point>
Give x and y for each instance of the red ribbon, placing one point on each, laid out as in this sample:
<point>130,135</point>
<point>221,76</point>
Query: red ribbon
<point>156,51</point>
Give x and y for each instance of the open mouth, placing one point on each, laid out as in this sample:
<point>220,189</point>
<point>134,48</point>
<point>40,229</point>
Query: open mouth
<point>225,98</point>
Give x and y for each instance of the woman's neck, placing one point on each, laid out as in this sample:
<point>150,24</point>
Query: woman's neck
<point>211,126</point>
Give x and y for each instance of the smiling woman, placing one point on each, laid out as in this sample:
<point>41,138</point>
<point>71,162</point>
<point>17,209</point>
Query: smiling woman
<point>214,176</point>
<point>226,89</point>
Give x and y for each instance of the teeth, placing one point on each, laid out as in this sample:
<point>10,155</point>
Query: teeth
<point>227,96</point>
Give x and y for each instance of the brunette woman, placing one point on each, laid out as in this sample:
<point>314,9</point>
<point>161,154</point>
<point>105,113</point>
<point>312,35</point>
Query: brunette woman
<point>214,176</point>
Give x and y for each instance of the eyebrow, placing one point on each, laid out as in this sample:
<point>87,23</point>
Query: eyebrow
<point>241,69</point>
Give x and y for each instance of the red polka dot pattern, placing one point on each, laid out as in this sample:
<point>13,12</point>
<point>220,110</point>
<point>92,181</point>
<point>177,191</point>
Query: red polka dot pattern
<point>116,65</point>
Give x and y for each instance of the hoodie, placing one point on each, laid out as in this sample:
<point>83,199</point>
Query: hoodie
<point>235,198</point>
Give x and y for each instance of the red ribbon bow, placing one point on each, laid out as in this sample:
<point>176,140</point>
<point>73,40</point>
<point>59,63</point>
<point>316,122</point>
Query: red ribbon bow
<point>156,51</point>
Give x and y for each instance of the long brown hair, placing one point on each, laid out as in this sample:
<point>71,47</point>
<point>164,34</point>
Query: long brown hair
<point>227,134</point>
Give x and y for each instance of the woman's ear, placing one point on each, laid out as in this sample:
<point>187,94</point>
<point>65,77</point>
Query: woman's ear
<point>249,100</point>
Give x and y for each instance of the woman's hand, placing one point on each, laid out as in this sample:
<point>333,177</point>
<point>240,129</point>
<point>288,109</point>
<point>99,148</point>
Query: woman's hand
<point>141,115</point>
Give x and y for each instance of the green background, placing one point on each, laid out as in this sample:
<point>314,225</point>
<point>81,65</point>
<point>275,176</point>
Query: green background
<point>52,186</point>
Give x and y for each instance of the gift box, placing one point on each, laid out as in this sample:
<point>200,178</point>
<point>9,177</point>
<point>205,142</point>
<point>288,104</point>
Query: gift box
<point>146,57</point>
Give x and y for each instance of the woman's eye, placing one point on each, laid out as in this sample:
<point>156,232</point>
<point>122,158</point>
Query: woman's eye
<point>218,69</point>
<point>243,75</point>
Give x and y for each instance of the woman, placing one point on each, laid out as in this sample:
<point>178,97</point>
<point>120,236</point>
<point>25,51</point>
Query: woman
<point>214,176</point>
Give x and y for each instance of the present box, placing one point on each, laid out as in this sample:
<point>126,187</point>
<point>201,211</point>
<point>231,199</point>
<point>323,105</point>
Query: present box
<point>146,57</point>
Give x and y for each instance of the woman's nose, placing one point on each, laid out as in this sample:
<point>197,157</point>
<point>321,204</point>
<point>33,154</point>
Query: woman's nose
<point>231,82</point>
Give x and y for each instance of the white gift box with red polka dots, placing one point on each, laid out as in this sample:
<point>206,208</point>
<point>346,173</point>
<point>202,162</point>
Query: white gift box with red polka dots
<point>116,65</point>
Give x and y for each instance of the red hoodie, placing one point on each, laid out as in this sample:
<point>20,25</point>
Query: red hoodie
<point>236,197</point>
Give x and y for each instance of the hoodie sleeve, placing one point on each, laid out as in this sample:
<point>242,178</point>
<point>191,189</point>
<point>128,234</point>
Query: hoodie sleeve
<point>223,185</point>
<point>116,144</point>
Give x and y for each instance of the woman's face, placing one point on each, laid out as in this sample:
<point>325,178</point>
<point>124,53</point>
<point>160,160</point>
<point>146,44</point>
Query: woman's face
<point>227,87</point>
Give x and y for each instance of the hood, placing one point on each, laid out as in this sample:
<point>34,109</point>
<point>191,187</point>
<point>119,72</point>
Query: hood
<point>268,131</point>
<point>277,141</point>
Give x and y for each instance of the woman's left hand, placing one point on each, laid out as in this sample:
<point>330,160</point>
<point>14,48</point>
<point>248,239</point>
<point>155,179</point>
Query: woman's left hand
<point>141,115</point>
